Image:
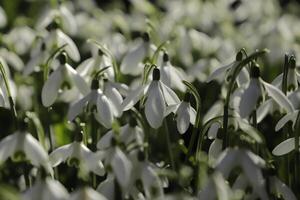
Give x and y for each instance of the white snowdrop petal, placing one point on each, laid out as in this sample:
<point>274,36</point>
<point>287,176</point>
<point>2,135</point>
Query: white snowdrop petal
<point>85,67</point>
<point>76,108</point>
<point>243,77</point>
<point>169,95</point>
<point>51,87</point>
<point>264,109</point>
<point>288,117</point>
<point>283,189</point>
<point>104,111</point>
<point>3,19</point>
<point>213,130</point>
<point>105,140</point>
<point>133,97</point>
<point>215,150</point>
<point>60,154</point>
<point>249,98</point>
<point>183,117</point>
<point>87,194</point>
<point>284,147</point>
<point>171,108</point>
<point>155,106</point>
<point>77,80</point>
<point>55,190</point>
<point>176,79</point>
<point>277,81</point>
<point>227,160</point>
<point>68,20</point>
<point>165,75</point>
<point>122,168</point>
<point>71,47</point>
<point>193,114</point>
<point>116,99</point>
<point>131,60</point>
<point>107,188</point>
<point>94,164</point>
<point>219,72</point>
<point>35,153</point>
<point>278,97</point>
<point>7,147</point>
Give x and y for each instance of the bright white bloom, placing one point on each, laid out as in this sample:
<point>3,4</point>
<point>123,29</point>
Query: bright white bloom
<point>254,91</point>
<point>131,63</point>
<point>86,193</point>
<point>278,187</point>
<point>158,96</point>
<point>284,147</point>
<point>172,76</point>
<point>22,146</point>
<point>64,73</point>
<point>12,59</point>
<point>250,164</point>
<point>184,113</point>
<point>227,72</point>
<point>107,104</point>
<point>3,18</point>
<point>128,134</point>
<point>45,190</point>
<point>79,155</point>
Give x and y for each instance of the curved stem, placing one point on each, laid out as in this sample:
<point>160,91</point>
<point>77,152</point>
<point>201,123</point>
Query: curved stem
<point>169,144</point>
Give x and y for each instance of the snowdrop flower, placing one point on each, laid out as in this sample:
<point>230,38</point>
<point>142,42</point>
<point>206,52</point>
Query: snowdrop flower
<point>254,91</point>
<point>3,18</point>
<point>79,155</point>
<point>46,189</point>
<point>131,61</point>
<point>215,148</point>
<point>12,59</point>
<point>86,193</point>
<point>21,145</point>
<point>57,38</point>
<point>64,73</point>
<point>158,95</point>
<point>171,76</point>
<point>128,133</point>
<point>92,65</point>
<point>184,113</point>
<point>227,71</point>
<point>250,164</point>
<point>107,105</point>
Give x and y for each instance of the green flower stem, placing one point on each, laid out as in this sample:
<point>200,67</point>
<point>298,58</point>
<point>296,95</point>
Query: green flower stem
<point>11,102</point>
<point>286,129</point>
<point>166,131</point>
<point>196,128</point>
<point>236,72</point>
<point>254,124</point>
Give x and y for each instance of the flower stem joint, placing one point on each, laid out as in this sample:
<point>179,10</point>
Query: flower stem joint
<point>156,74</point>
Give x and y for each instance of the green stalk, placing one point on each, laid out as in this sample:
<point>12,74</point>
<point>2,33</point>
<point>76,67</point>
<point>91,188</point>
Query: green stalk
<point>169,144</point>
<point>11,102</point>
<point>236,72</point>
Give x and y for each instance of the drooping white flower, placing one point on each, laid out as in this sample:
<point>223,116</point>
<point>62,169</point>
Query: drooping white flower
<point>171,76</point>
<point>79,155</point>
<point>3,18</point>
<point>45,190</point>
<point>284,147</point>
<point>22,145</point>
<point>158,96</point>
<point>185,114</point>
<point>250,164</point>
<point>86,193</point>
<point>64,73</point>
<point>278,187</point>
<point>107,104</point>
<point>227,72</point>
<point>256,89</point>
<point>131,61</point>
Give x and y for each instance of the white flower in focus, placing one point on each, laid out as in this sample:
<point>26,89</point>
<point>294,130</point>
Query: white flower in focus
<point>284,147</point>
<point>106,105</point>
<point>131,61</point>
<point>64,73</point>
<point>23,146</point>
<point>77,154</point>
<point>158,96</point>
<point>256,89</point>
<point>86,193</point>
<point>45,190</point>
<point>184,113</point>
